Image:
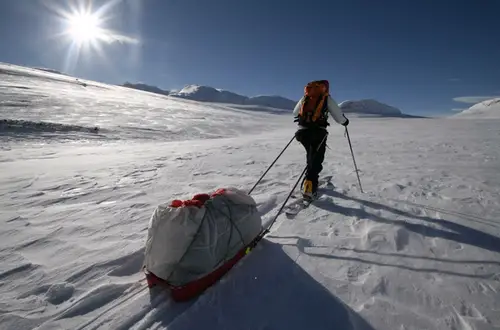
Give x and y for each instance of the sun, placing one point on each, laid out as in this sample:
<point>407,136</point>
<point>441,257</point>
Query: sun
<point>84,27</point>
<point>86,31</point>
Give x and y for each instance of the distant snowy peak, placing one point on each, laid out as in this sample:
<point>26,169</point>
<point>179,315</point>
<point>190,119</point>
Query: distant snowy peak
<point>146,88</point>
<point>369,106</point>
<point>487,109</point>
<point>210,94</point>
<point>196,91</point>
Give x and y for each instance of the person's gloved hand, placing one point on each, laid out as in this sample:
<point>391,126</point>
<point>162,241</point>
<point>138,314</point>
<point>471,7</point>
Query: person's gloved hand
<point>346,122</point>
<point>298,135</point>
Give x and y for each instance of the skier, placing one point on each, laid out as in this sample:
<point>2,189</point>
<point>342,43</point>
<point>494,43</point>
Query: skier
<point>311,113</point>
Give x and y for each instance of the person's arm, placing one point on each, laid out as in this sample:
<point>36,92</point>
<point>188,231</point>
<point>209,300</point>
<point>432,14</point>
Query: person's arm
<point>296,110</point>
<point>336,112</point>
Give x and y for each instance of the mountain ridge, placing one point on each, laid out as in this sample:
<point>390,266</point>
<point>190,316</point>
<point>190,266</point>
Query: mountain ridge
<point>203,93</point>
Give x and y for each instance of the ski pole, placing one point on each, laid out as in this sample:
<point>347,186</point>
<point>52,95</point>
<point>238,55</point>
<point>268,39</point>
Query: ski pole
<point>284,203</point>
<point>282,151</point>
<point>354,161</point>
<point>291,192</point>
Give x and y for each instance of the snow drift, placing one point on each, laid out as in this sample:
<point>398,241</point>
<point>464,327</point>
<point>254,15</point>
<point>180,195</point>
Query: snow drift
<point>489,109</point>
<point>30,108</point>
<point>370,107</point>
<point>23,126</point>
<point>50,70</point>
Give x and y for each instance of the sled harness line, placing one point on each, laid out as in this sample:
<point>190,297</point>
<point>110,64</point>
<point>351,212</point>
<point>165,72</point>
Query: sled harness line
<point>272,164</point>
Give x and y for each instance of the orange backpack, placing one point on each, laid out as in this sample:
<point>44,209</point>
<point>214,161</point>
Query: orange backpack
<point>314,105</point>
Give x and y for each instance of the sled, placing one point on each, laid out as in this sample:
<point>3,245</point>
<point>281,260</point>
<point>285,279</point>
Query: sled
<point>192,244</point>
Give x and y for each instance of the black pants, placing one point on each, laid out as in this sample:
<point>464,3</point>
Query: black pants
<point>311,138</point>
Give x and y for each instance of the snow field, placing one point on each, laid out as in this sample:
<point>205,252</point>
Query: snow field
<point>418,250</point>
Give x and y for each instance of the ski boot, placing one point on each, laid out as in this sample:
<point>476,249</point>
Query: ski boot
<point>308,193</point>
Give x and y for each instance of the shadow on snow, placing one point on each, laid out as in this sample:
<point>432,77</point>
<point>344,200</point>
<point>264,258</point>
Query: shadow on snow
<point>454,231</point>
<point>267,290</point>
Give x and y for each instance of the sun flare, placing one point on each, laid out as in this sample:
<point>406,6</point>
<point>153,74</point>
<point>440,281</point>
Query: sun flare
<point>87,31</point>
<point>84,27</point>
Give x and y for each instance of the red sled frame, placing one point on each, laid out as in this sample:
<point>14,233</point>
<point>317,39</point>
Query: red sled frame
<point>197,287</point>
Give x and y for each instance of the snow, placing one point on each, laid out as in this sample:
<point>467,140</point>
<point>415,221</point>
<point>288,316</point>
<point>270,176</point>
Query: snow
<point>49,70</point>
<point>369,106</point>
<point>419,250</point>
<point>489,109</point>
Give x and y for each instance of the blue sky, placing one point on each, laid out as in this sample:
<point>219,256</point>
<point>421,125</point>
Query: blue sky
<point>416,55</point>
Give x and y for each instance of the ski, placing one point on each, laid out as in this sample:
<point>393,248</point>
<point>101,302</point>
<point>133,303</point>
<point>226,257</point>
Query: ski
<point>300,203</point>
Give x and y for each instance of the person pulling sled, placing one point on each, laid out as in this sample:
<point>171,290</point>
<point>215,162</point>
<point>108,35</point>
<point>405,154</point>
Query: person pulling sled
<point>311,114</point>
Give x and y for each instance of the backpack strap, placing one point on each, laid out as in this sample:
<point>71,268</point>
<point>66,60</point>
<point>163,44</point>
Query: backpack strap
<point>320,107</point>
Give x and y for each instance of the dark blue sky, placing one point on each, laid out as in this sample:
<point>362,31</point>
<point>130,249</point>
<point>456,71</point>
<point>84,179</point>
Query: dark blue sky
<point>416,55</point>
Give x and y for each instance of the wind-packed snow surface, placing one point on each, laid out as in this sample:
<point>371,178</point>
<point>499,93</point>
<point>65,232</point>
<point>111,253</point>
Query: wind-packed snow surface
<point>83,165</point>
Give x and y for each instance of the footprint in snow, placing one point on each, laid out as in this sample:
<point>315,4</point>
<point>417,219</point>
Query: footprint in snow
<point>381,287</point>
<point>470,311</point>
<point>54,294</point>
<point>95,299</point>
<point>59,293</point>
<point>401,239</point>
<point>358,273</point>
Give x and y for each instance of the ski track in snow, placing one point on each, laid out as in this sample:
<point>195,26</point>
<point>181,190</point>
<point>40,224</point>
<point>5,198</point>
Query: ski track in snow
<point>419,250</point>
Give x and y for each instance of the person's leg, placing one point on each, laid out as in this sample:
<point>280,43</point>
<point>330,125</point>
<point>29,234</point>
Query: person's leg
<point>317,156</point>
<point>305,137</point>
